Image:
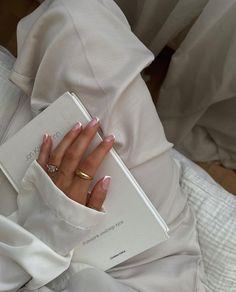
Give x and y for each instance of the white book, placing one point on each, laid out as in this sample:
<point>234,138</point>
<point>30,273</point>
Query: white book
<point>132,224</point>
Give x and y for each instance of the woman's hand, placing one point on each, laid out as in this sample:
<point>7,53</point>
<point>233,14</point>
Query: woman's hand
<point>69,158</point>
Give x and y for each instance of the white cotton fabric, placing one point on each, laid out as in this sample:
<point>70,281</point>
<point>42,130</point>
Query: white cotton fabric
<point>55,209</point>
<point>197,101</point>
<point>161,22</point>
<point>215,211</point>
<point>87,47</point>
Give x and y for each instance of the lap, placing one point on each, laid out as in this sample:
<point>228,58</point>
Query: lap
<point>87,47</point>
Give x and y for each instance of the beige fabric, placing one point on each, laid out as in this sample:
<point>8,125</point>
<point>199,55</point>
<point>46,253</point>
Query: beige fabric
<point>161,22</point>
<point>87,47</point>
<point>197,102</point>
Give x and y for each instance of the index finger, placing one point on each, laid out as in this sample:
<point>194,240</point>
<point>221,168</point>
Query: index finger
<point>45,151</point>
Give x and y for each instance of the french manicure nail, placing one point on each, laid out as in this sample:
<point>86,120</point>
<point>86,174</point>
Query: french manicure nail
<point>93,123</point>
<point>45,138</point>
<point>106,182</point>
<point>109,138</point>
<point>76,127</point>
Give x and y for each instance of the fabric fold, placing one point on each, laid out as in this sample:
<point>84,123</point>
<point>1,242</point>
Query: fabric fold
<point>48,213</point>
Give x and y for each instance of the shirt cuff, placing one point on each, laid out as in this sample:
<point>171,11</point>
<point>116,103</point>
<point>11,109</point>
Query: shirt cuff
<point>47,212</point>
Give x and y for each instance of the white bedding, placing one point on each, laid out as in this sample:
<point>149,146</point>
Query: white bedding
<point>215,212</point>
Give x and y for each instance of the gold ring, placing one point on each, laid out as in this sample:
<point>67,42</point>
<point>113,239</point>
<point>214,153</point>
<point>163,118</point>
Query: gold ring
<point>83,175</point>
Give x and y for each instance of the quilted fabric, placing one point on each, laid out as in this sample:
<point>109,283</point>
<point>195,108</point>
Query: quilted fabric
<point>215,213</point>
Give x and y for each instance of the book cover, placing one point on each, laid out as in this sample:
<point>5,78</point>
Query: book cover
<point>132,224</point>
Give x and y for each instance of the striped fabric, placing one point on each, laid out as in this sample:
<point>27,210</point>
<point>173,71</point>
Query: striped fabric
<point>9,93</point>
<point>215,213</point>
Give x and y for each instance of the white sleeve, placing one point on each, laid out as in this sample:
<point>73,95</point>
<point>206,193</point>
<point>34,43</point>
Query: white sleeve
<point>40,247</point>
<point>49,214</point>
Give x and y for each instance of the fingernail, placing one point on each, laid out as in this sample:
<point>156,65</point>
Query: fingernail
<point>109,138</point>
<point>106,182</point>
<point>77,127</point>
<point>45,138</point>
<point>93,123</point>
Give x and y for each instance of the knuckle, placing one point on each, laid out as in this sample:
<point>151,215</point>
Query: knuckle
<point>89,132</point>
<point>104,148</point>
<point>97,201</point>
<point>71,154</point>
<point>53,156</point>
<point>84,135</point>
<point>89,163</point>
